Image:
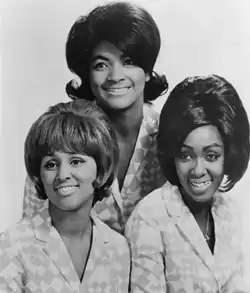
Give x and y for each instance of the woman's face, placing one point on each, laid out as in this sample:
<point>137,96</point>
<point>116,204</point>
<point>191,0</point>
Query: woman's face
<point>68,179</point>
<point>200,165</point>
<point>116,82</point>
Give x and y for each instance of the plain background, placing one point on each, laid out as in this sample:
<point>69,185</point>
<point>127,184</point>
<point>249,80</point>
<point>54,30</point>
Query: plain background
<point>198,38</point>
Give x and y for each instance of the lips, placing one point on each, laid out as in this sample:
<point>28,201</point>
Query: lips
<point>66,190</point>
<point>117,91</point>
<point>198,184</point>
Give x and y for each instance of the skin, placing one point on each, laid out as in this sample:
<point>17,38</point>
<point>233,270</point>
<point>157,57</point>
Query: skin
<point>200,166</point>
<point>118,85</point>
<point>68,179</point>
<point>116,81</point>
<point>68,183</point>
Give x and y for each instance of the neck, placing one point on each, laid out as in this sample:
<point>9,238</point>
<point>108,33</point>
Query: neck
<point>72,223</point>
<point>127,123</point>
<point>200,210</point>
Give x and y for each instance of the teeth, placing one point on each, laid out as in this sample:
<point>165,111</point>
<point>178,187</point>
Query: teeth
<point>119,91</point>
<point>200,184</point>
<point>66,189</point>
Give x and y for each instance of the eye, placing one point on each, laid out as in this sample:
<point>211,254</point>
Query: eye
<point>128,62</point>
<point>212,157</point>
<point>185,157</point>
<point>50,165</point>
<point>77,161</point>
<point>99,65</point>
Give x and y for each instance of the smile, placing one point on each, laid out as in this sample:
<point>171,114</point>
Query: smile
<point>200,184</point>
<point>66,190</point>
<point>117,91</point>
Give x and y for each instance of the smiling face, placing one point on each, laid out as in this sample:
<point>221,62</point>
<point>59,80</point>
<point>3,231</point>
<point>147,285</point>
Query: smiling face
<point>200,165</point>
<point>116,81</point>
<point>68,179</point>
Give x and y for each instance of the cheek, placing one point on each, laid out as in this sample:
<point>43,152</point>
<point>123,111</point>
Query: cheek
<point>47,180</point>
<point>88,174</point>
<point>96,78</point>
<point>181,170</point>
<point>218,169</point>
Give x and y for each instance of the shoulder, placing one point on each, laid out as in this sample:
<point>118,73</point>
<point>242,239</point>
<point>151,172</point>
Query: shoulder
<point>226,205</point>
<point>229,213</point>
<point>115,239</point>
<point>150,117</point>
<point>16,236</point>
<point>154,208</point>
<point>151,208</point>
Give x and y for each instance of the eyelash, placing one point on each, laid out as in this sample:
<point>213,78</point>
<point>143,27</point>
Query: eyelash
<point>101,65</point>
<point>78,160</point>
<point>185,157</point>
<point>215,157</point>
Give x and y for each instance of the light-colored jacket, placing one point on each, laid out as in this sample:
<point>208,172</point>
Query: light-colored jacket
<point>170,254</point>
<point>142,177</point>
<point>33,258</point>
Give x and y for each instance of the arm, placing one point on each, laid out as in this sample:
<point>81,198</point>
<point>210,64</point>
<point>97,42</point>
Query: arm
<point>147,267</point>
<point>31,202</point>
<point>235,284</point>
<point>124,268</point>
<point>11,269</point>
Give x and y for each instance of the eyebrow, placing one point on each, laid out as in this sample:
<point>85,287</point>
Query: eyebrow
<point>96,57</point>
<point>205,148</point>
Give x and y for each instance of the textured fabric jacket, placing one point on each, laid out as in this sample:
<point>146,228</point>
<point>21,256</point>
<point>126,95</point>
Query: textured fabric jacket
<point>33,258</point>
<point>142,177</point>
<point>169,252</point>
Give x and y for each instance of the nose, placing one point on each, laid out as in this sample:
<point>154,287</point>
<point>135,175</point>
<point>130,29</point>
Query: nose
<point>116,72</point>
<point>63,172</point>
<point>199,168</point>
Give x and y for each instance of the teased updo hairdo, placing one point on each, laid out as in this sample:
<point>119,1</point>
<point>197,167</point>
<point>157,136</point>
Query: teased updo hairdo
<point>199,101</point>
<point>136,35</point>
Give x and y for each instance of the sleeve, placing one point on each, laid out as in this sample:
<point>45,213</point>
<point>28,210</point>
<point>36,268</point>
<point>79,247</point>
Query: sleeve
<point>124,271</point>
<point>31,202</point>
<point>11,269</point>
<point>236,282</point>
<point>147,263</point>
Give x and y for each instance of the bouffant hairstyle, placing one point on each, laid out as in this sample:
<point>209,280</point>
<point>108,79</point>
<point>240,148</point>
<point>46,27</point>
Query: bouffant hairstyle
<point>76,127</point>
<point>128,27</point>
<point>199,101</point>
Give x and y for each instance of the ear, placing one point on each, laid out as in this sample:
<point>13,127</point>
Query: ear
<point>147,77</point>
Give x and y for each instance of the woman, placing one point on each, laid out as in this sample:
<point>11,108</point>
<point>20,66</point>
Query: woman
<point>115,68</point>
<point>185,237</point>
<point>71,156</point>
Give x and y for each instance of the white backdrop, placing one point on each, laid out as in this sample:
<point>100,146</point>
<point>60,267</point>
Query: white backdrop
<point>198,37</point>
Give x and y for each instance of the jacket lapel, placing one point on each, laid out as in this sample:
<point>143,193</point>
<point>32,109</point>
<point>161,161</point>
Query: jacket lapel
<point>54,247</point>
<point>99,257</point>
<point>146,138</point>
<point>186,224</point>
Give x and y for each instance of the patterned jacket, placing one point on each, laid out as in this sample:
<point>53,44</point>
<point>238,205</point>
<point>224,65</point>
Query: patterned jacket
<point>170,254</point>
<point>143,176</point>
<point>33,258</point>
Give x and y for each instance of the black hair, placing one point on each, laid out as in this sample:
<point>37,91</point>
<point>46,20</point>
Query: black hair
<point>199,101</point>
<point>128,27</point>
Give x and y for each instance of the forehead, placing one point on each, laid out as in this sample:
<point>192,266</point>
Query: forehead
<point>203,137</point>
<point>106,49</point>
